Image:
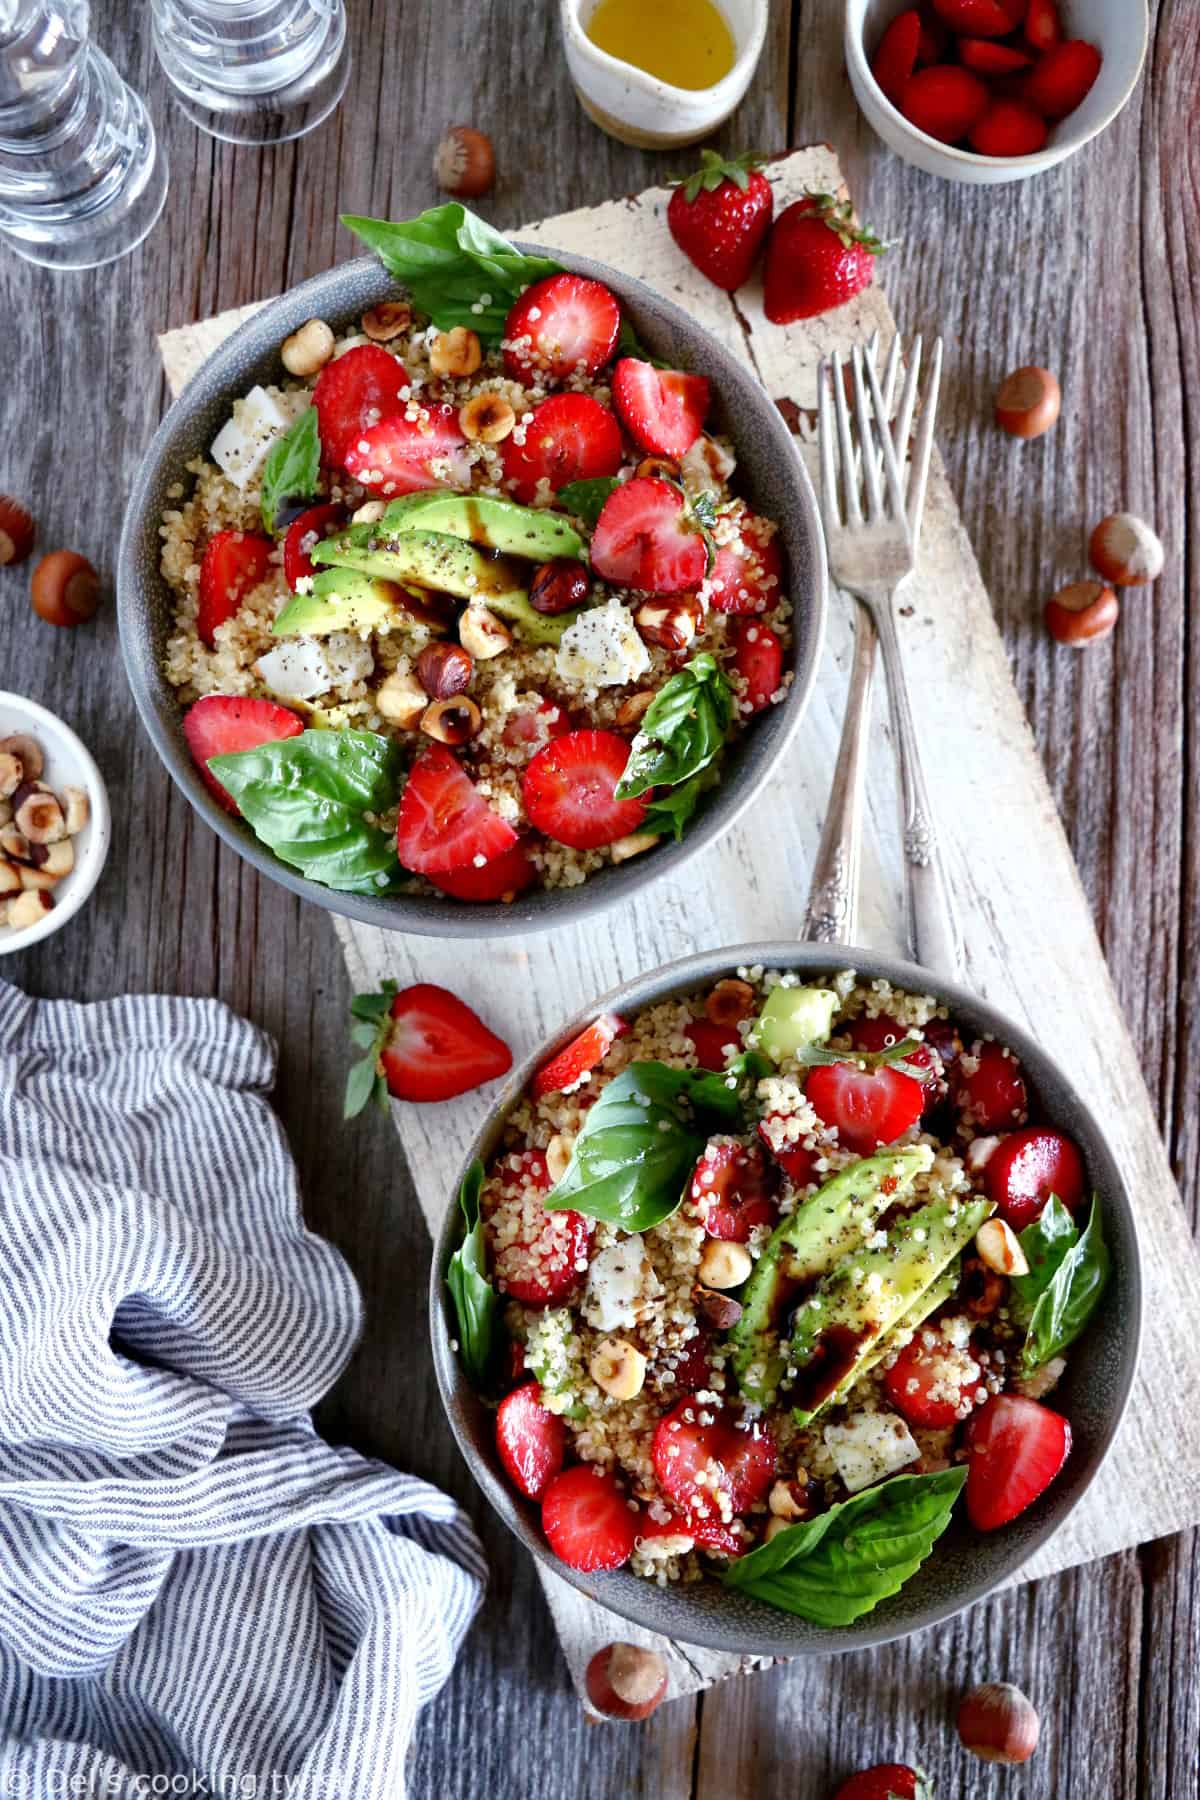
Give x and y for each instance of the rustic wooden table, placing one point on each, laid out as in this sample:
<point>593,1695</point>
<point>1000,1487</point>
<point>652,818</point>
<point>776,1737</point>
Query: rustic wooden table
<point>1091,270</point>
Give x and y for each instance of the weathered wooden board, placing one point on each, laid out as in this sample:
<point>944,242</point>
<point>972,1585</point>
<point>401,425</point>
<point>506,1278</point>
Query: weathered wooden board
<point>1031,946</point>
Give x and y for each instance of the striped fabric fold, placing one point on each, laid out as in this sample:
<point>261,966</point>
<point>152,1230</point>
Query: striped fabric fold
<point>197,1594</point>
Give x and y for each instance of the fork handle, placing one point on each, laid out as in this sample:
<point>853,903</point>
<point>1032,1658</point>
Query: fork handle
<point>832,914</point>
<point>933,933</point>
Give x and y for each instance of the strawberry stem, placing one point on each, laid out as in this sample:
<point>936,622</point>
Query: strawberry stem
<point>714,169</point>
<point>839,216</point>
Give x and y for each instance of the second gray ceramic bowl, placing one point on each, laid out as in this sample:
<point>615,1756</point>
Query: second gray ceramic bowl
<point>966,1566</point>
<point>770,476</point>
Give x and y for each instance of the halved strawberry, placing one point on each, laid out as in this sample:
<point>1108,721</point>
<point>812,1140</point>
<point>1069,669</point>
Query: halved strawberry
<point>981,18</point>
<point>445,823</point>
<point>572,1066</point>
<point>437,1047</point>
<point>929,1383</point>
<point>563,325</point>
<point>882,1032</point>
<point>1062,78</point>
<point>304,534</point>
<point>220,724</point>
<point>707,1533</point>
<point>1015,1447</point>
<point>986,57</point>
<point>714,1044</point>
<point>797,1163</point>
<point>945,102</point>
<point>990,1094</point>
<point>531,1441</point>
<point>587,1520</point>
<point>1008,128</point>
<point>569,790</point>
<point>747,575</point>
<point>233,563</point>
<point>758,659</point>
<point>549,721</point>
<point>735,1448</point>
<point>542,1256</point>
<point>688,1370</point>
<point>1026,1167</point>
<point>645,539</point>
<point>869,1107</point>
<point>896,57</point>
<point>353,393</point>
<point>401,455</point>
<point>570,437</point>
<point>886,1781</point>
<point>732,1190</point>
<point>1042,28</point>
<point>502,877</point>
<point>663,410</point>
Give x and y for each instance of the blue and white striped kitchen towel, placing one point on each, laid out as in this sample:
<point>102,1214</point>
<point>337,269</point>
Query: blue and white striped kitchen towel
<point>197,1595</point>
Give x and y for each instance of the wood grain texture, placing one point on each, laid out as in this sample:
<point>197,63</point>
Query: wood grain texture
<point>1109,1651</point>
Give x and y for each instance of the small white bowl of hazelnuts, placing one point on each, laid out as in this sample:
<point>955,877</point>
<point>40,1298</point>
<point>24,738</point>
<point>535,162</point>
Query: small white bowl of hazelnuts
<point>55,825</point>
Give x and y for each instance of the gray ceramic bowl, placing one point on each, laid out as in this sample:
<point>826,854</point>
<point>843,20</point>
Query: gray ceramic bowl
<point>965,1566</point>
<point>770,476</point>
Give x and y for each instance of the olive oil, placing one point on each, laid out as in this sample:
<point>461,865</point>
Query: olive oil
<point>684,42</point>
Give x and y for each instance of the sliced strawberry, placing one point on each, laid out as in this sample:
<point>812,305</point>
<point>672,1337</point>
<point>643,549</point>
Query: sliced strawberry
<point>437,1047</point>
<point>1026,1167</point>
<point>563,325</point>
<point>747,575</point>
<point>797,1163</point>
<point>221,724</point>
<point>896,57</point>
<point>758,659</point>
<point>886,1781</point>
<point>549,721</point>
<point>401,455</point>
<point>981,18</point>
<point>930,1383</point>
<point>1016,1448</point>
<point>353,393</point>
<point>532,1442</point>
<point>570,437</point>
<point>732,1190</point>
<point>735,1447</point>
<point>689,1370</point>
<point>714,1044</point>
<point>445,823</point>
<point>304,534</point>
<point>944,1037</point>
<point>503,877</point>
<point>233,563</point>
<point>587,1520</point>
<point>869,1107</point>
<point>1008,128</point>
<point>991,1094</point>
<point>1062,78</point>
<point>542,1256</point>
<point>881,1032</point>
<point>706,1533</point>
<point>645,539</point>
<point>572,1066</point>
<point>1042,28</point>
<point>945,102</point>
<point>663,410</point>
<point>569,790</point>
<point>986,57</point>
<point>719,216</point>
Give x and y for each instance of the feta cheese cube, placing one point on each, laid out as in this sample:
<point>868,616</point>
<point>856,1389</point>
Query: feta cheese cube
<point>295,669</point>
<point>602,648</point>
<point>620,1280</point>
<point>869,1447</point>
<point>242,445</point>
<point>347,657</point>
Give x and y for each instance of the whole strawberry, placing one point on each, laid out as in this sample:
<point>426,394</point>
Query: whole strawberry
<point>817,258</point>
<point>720,215</point>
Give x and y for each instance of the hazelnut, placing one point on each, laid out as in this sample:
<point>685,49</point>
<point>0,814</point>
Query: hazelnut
<point>721,1310</point>
<point>386,321</point>
<point>1123,549</point>
<point>456,352</point>
<point>558,1156</point>
<point>308,349</point>
<point>65,589</point>
<point>982,1290</point>
<point>670,624</point>
<point>660,466</point>
<point>487,419</point>
<point>12,773</point>
<point>558,586</point>
<point>730,1002</point>
<point>10,880</point>
<point>774,1526</point>
<point>998,1723</point>
<point>444,670</point>
<point>17,530</point>
<point>402,700</point>
<point>618,1367</point>
<point>724,1264</point>
<point>789,1499</point>
<point>38,816</point>
<point>51,863</point>
<point>29,751</point>
<point>622,849</point>
<point>369,513</point>
<point>1028,402</point>
<point>624,1681</point>
<point>464,162</point>
<point>632,711</point>
<point>28,908</point>
<point>452,722</point>
<point>1082,614</point>
<point>999,1248</point>
<point>77,808</point>
<point>482,634</point>
<point>14,845</point>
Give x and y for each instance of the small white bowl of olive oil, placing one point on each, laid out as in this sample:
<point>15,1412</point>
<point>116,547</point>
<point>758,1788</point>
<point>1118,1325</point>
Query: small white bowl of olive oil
<point>659,73</point>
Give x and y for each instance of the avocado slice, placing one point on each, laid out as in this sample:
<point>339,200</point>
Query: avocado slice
<point>838,1329</point>
<point>531,626</point>
<point>792,1019</point>
<point>339,600</point>
<point>809,1243</point>
<point>428,559</point>
<point>934,1296</point>
<point>501,525</point>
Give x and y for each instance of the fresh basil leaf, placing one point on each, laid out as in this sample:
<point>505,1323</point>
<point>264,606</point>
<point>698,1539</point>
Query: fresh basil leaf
<point>1070,1298</point>
<point>672,811</point>
<point>292,470</point>
<point>835,1568</point>
<point>639,1142</point>
<point>682,730</point>
<point>585,499</point>
<point>476,1301</point>
<point>306,797</point>
<point>729,1090</point>
<point>455,267</point>
<point>1045,1243</point>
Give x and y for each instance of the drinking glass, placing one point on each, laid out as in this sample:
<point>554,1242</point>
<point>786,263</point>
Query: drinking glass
<point>254,71</point>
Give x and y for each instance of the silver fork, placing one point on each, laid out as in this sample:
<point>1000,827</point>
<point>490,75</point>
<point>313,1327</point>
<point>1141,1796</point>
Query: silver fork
<point>872,520</point>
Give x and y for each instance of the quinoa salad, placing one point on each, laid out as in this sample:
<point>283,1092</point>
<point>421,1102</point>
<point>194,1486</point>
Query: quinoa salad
<point>468,601</point>
<point>760,1280</point>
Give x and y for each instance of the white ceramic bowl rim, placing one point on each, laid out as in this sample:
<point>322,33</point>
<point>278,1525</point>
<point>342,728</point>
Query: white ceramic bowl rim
<point>653,84</point>
<point>79,884</point>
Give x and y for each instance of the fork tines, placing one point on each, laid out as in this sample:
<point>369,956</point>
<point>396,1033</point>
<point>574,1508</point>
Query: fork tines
<point>873,446</point>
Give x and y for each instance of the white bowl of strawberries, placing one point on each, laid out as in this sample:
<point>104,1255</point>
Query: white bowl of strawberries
<point>992,90</point>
